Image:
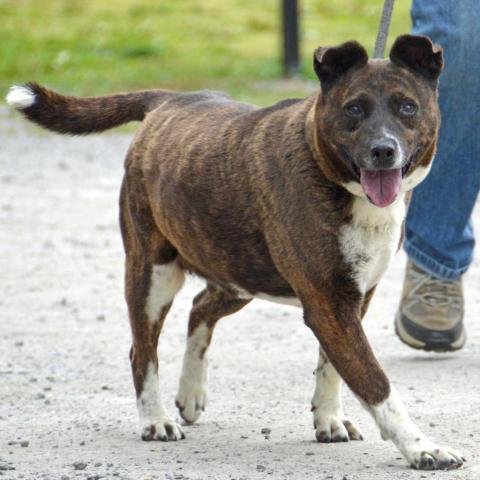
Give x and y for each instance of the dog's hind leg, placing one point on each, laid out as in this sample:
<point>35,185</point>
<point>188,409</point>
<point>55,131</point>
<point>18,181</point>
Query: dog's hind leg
<point>208,307</point>
<point>153,277</point>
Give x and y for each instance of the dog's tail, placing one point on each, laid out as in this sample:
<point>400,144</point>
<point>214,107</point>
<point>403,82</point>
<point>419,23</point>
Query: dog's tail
<point>80,116</point>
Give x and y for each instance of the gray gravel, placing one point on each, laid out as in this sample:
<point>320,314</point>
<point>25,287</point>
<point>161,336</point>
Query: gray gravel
<point>67,398</point>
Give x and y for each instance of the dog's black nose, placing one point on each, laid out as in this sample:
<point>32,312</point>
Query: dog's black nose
<point>383,154</point>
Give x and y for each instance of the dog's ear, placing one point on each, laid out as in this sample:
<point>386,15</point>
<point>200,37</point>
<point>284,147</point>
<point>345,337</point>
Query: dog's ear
<point>419,54</point>
<point>330,63</point>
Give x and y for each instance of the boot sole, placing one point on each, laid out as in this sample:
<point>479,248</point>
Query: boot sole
<point>429,346</point>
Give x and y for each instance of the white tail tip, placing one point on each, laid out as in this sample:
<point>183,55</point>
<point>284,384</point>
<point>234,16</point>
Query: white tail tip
<point>20,97</point>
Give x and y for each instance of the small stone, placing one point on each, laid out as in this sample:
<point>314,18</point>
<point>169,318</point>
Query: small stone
<point>79,465</point>
<point>261,468</point>
<point>266,431</point>
<point>309,453</point>
<point>98,464</point>
<point>24,443</point>
<point>100,318</point>
<point>4,466</point>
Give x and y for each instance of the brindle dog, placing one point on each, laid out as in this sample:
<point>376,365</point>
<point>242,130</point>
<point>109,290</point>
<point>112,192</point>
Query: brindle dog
<point>301,203</point>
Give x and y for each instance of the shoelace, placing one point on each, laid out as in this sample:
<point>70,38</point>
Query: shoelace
<point>432,291</point>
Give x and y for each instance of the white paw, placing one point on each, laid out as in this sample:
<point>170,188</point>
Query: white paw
<point>333,428</point>
<point>433,457</point>
<point>163,429</point>
<point>191,398</point>
<point>395,424</point>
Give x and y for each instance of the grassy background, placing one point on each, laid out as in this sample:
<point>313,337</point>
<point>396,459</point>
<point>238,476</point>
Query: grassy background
<point>99,46</point>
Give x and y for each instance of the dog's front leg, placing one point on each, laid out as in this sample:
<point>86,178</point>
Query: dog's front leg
<point>336,323</point>
<point>328,418</point>
<point>329,421</point>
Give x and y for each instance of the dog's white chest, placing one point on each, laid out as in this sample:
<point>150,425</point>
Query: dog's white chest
<point>370,239</point>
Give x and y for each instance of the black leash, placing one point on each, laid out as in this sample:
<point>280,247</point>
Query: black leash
<point>383,29</point>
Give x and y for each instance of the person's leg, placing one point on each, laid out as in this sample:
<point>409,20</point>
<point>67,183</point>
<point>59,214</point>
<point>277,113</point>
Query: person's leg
<point>439,234</point>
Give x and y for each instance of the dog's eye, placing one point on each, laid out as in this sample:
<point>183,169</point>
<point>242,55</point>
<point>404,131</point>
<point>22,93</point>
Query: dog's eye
<point>408,108</point>
<point>354,110</point>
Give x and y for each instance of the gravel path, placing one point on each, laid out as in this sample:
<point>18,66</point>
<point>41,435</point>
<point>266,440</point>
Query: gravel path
<point>67,406</point>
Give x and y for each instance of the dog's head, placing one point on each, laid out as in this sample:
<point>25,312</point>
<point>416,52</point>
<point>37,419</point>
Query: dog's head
<point>375,121</point>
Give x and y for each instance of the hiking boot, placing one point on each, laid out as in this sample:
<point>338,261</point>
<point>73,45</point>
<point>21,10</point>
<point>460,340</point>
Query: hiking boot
<point>430,315</point>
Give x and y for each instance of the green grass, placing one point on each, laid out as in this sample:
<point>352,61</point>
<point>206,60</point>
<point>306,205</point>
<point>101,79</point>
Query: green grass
<point>92,47</point>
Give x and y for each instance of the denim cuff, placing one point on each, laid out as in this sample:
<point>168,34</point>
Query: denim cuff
<point>432,266</point>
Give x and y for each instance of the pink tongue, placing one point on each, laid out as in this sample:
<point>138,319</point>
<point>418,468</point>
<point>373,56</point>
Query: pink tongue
<point>382,186</point>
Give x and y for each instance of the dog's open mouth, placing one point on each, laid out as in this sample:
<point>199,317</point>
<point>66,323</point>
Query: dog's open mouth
<point>381,186</point>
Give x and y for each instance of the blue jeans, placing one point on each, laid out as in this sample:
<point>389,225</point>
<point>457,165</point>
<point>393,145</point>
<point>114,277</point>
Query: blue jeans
<point>439,230</point>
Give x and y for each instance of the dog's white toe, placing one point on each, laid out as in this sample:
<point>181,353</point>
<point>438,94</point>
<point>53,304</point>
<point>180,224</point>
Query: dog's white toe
<point>192,391</point>
<point>163,429</point>
<point>332,428</point>
<point>191,399</point>
<point>434,457</point>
